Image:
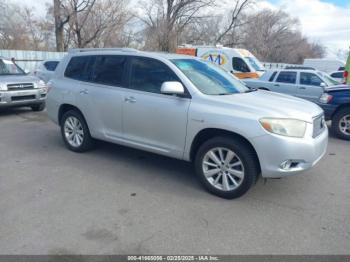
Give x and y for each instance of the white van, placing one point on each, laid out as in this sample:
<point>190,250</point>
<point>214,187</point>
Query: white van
<point>240,62</point>
<point>324,64</point>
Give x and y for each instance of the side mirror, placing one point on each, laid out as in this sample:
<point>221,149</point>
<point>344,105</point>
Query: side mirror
<point>323,85</point>
<point>26,71</point>
<point>172,88</point>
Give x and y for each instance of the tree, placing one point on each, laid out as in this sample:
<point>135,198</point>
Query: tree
<point>275,37</point>
<point>64,11</point>
<point>234,21</point>
<point>166,19</point>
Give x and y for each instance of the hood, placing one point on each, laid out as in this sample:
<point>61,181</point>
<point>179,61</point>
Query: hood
<point>338,88</point>
<point>269,104</point>
<point>13,79</point>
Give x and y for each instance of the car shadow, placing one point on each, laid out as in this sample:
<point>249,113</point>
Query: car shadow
<point>14,111</point>
<point>150,164</point>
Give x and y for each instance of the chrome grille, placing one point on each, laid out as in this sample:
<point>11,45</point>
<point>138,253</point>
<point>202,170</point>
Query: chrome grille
<point>20,86</point>
<point>319,125</point>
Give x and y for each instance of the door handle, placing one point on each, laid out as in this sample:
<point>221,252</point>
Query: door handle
<point>130,99</point>
<point>276,85</point>
<point>84,91</point>
<point>302,87</point>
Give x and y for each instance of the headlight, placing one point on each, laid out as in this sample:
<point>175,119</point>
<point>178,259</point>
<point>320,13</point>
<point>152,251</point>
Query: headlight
<point>326,98</point>
<point>42,85</point>
<point>284,127</point>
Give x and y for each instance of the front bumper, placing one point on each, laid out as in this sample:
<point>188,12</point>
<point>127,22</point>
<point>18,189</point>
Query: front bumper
<point>304,153</point>
<point>328,109</point>
<point>22,97</point>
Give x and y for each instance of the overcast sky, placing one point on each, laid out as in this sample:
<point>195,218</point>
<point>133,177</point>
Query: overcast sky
<point>326,21</point>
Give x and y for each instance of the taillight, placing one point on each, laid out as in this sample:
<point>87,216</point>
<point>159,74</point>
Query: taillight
<point>346,74</point>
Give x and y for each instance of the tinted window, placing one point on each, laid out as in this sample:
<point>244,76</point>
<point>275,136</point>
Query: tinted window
<point>310,79</point>
<point>238,64</point>
<point>272,77</point>
<point>79,68</point>
<point>287,77</point>
<point>109,70</point>
<point>149,74</point>
<point>337,75</point>
<point>51,65</point>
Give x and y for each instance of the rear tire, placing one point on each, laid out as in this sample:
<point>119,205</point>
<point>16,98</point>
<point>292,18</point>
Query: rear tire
<point>341,124</point>
<point>38,107</point>
<point>75,132</point>
<point>233,178</point>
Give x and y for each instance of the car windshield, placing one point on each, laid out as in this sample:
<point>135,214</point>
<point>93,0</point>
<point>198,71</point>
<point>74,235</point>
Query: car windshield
<point>7,67</point>
<point>328,79</point>
<point>254,63</point>
<point>209,78</point>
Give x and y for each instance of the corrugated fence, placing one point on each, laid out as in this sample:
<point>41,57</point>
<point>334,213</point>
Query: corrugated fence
<point>28,60</point>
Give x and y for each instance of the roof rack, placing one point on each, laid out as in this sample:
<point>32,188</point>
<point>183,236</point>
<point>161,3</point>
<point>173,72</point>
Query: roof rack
<point>123,49</point>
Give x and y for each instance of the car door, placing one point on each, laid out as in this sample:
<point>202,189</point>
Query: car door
<point>285,83</point>
<point>100,96</point>
<point>309,87</point>
<point>153,121</point>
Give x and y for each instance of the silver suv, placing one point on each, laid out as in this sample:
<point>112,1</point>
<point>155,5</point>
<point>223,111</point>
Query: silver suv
<point>19,89</point>
<point>185,108</point>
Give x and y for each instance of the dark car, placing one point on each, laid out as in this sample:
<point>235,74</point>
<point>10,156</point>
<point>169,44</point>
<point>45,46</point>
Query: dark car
<point>335,102</point>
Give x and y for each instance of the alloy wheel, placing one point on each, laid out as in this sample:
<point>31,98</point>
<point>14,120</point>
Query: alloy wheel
<point>223,169</point>
<point>73,131</point>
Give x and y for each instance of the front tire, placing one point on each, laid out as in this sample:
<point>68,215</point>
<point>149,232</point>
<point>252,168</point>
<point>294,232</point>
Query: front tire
<point>226,167</point>
<point>341,124</point>
<point>75,132</point>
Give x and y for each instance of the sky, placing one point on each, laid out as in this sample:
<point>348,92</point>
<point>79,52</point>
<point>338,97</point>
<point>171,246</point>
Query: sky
<point>323,21</point>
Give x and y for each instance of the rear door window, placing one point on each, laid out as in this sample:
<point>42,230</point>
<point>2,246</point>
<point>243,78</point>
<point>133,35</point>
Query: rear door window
<point>79,68</point>
<point>287,77</point>
<point>110,70</point>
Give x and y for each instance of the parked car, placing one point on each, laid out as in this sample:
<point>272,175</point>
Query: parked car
<point>336,104</point>
<point>46,69</point>
<point>324,64</point>
<point>19,89</point>
<point>306,84</point>
<point>183,107</point>
<point>338,76</point>
<point>240,62</point>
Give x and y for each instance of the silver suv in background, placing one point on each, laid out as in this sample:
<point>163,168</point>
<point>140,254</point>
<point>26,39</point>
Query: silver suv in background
<point>18,89</point>
<point>306,84</point>
<point>185,108</point>
<point>46,69</point>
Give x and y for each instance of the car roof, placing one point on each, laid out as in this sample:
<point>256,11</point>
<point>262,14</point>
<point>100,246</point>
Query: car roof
<point>292,70</point>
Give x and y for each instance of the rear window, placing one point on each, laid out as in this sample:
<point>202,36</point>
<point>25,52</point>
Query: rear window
<point>272,77</point>
<point>79,68</point>
<point>51,65</point>
<point>337,75</point>
<point>287,77</point>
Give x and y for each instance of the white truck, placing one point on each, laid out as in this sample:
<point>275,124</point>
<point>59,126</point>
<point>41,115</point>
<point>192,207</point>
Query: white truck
<point>324,64</point>
<point>240,62</point>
